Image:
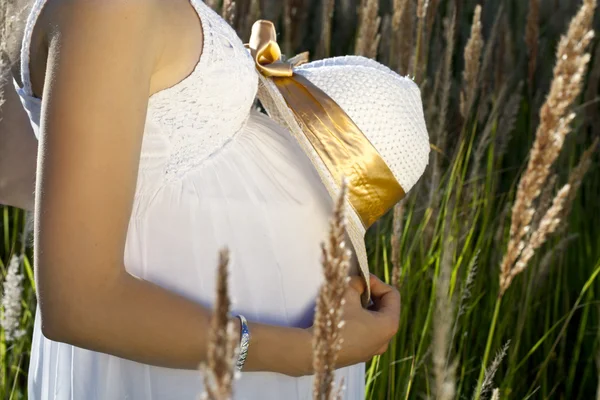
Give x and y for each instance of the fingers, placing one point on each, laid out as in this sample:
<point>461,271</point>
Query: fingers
<point>378,287</point>
<point>386,297</point>
<point>357,283</point>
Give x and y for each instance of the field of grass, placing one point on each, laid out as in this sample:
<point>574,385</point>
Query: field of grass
<point>480,311</point>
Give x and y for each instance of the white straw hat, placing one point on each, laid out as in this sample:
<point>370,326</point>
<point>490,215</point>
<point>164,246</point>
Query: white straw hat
<point>385,106</point>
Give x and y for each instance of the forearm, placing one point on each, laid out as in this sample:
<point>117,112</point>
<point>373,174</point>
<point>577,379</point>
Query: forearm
<point>144,322</point>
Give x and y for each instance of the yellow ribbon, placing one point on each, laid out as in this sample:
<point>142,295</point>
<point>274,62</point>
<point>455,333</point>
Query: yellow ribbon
<point>344,149</point>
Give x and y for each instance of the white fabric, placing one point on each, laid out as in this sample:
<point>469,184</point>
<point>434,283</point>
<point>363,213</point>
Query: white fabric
<point>213,172</point>
<point>385,106</point>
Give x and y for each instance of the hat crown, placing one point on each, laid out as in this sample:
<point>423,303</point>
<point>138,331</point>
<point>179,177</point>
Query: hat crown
<point>384,105</point>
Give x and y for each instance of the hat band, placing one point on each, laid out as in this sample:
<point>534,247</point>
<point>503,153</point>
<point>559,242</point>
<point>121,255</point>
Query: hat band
<point>341,145</point>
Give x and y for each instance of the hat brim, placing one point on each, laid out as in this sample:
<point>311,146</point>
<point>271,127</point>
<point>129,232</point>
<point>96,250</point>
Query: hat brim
<point>277,109</point>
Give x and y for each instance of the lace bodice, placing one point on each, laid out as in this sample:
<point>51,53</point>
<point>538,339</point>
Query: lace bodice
<point>209,107</point>
<point>193,118</point>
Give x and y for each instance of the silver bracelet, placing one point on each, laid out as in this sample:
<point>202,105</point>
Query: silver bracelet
<point>244,343</point>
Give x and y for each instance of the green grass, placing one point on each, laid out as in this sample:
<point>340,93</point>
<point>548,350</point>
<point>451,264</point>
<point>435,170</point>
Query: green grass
<point>551,318</point>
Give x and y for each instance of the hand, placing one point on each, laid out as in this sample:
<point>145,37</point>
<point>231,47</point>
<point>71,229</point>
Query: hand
<point>367,332</point>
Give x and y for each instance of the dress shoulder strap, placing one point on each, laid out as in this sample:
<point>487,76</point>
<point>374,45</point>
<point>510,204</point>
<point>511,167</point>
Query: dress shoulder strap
<point>34,14</point>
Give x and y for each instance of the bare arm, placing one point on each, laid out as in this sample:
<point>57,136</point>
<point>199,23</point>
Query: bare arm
<point>100,66</point>
<point>18,150</point>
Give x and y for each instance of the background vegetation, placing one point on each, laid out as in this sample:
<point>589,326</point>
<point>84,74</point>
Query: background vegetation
<point>469,324</point>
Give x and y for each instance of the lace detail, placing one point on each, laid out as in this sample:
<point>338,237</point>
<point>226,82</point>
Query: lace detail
<point>205,110</point>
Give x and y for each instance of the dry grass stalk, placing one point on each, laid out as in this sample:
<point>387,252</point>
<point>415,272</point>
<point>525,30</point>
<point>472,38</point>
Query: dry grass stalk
<point>544,202</point>
<point>555,124</point>
<point>472,64</point>
<point>508,120</point>
<point>432,92</point>
<point>397,228</point>
<point>398,9</point>
<point>504,57</point>
<point>440,134</point>
<point>444,368</point>
<point>486,386</point>
<point>385,44</point>
<point>403,35</point>
<point>12,293</point>
<point>339,394</point>
<point>548,224</point>
<point>429,40</point>
<point>28,238</point>
<point>253,16</point>
<point>417,69</point>
<point>467,287</point>
<point>549,257</point>
<point>532,33</point>
<point>295,23</point>
<point>486,136</point>
<point>327,340</point>
<point>496,394</point>
<point>287,26</point>
<point>466,294</point>
<point>501,230</point>
<point>431,14</point>
<point>324,49</point>
<point>228,11</point>
<point>486,71</point>
<point>219,371</point>
<point>431,44</point>
<point>422,6</point>
<point>368,38</point>
<point>591,95</point>
<point>575,179</point>
<point>432,96</point>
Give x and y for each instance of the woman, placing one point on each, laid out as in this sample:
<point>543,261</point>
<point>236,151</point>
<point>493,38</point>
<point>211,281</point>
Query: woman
<point>151,158</point>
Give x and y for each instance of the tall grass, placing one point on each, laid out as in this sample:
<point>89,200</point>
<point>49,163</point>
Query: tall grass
<point>479,213</point>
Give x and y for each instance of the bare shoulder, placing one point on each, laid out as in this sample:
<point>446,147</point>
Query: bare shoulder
<point>128,31</point>
<point>78,10</point>
<point>162,33</point>
<point>129,19</point>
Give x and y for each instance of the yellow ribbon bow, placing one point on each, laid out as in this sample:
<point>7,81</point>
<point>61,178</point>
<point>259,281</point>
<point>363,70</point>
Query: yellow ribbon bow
<point>343,148</point>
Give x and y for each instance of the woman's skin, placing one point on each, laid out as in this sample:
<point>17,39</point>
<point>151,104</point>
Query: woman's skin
<point>96,63</point>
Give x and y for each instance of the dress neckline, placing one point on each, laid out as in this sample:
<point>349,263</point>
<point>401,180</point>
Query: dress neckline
<point>196,4</point>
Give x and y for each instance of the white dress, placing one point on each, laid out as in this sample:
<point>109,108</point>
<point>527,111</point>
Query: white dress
<point>213,172</point>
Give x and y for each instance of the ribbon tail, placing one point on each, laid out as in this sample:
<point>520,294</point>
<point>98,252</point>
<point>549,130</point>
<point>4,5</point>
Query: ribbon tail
<point>343,148</point>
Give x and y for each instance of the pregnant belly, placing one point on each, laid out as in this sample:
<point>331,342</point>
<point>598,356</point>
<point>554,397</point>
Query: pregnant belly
<point>260,197</point>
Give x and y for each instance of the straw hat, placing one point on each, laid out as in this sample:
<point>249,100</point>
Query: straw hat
<point>384,106</point>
